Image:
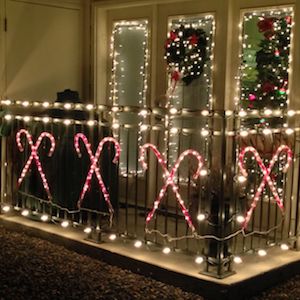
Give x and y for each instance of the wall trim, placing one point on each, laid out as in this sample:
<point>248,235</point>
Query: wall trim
<point>71,4</point>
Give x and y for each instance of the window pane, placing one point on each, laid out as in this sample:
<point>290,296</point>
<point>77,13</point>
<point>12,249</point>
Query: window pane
<point>129,86</point>
<point>265,59</point>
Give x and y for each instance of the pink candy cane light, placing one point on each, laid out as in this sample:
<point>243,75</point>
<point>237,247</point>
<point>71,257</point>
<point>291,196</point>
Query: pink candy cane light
<point>169,179</point>
<point>266,176</point>
<point>34,155</point>
<point>94,167</point>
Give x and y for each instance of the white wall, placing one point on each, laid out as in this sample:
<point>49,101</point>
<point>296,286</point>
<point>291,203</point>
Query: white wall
<point>43,48</point>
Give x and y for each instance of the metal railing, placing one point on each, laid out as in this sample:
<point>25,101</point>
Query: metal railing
<point>216,202</point>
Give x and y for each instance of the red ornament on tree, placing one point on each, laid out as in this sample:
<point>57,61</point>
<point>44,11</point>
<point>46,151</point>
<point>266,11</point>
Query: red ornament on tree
<point>266,25</point>
<point>173,36</point>
<point>193,39</point>
<point>267,87</point>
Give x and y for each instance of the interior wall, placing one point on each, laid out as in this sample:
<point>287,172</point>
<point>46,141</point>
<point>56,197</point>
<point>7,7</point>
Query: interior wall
<point>43,49</point>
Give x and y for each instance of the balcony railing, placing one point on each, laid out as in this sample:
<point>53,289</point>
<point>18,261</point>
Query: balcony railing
<point>213,186</point>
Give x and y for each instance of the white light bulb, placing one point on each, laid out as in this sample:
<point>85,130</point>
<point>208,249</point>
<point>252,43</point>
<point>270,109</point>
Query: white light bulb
<point>115,125</point>
<point>268,112</point>
<point>242,113</point>
<point>44,218</point>
<point>291,113</point>
<point>204,132</point>
<point>203,172</point>
<point>138,244</point>
<point>199,260</point>
<point>46,104</point>
<point>144,127</point>
<point>143,113</point>
<point>6,208</point>
<point>25,103</point>
<point>46,119</point>
<point>91,123</point>
<point>174,130</point>
<point>112,236</point>
<point>25,213</point>
<point>244,133</point>
<point>289,131</point>
<point>267,131</point>
<point>67,122</point>
<point>262,252</point>
<point>65,224</point>
<point>201,217</point>
<point>26,119</point>
<point>87,230</point>
<point>8,117</point>
<point>166,250</point>
<point>240,219</point>
<point>242,178</point>
<point>173,111</point>
<point>68,106</point>
<point>284,247</point>
<point>237,260</point>
<point>89,106</point>
<point>205,113</point>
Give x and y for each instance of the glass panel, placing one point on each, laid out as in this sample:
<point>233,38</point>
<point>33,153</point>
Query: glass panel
<point>189,57</point>
<point>129,86</point>
<point>265,55</point>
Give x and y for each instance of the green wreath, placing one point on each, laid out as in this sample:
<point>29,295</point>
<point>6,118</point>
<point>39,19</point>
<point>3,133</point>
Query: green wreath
<point>185,53</point>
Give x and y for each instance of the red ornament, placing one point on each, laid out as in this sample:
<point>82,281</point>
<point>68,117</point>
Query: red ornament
<point>265,25</point>
<point>252,97</point>
<point>167,43</point>
<point>288,19</point>
<point>193,39</point>
<point>267,87</point>
<point>175,76</point>
<point>173,36</point>
<point>269,34</point>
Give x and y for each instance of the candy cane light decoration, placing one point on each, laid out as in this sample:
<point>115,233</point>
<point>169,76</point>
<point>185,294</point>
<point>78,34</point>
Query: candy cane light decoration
<point>94,167</point>
<point>266,176</point>
<point>169,179</point>
<point>34,156</point>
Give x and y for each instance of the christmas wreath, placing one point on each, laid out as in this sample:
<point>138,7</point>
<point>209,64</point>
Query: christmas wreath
<point>185,53</point>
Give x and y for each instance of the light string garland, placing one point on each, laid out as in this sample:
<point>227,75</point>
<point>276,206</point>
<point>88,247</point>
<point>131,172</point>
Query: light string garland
<point>94,167</point>
<point>119,86</point>
<point>169,179</point>
<point>266,176</point>
<point>34,156</point>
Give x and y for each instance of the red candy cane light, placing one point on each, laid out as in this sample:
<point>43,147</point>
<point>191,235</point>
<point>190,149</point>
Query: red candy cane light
<point>94,167</point>
<point>34,155</point>
<point>266,176</point>
<point>169,179</point>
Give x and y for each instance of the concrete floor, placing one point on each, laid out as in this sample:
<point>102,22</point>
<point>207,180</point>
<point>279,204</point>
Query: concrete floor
<point>255,273</point>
